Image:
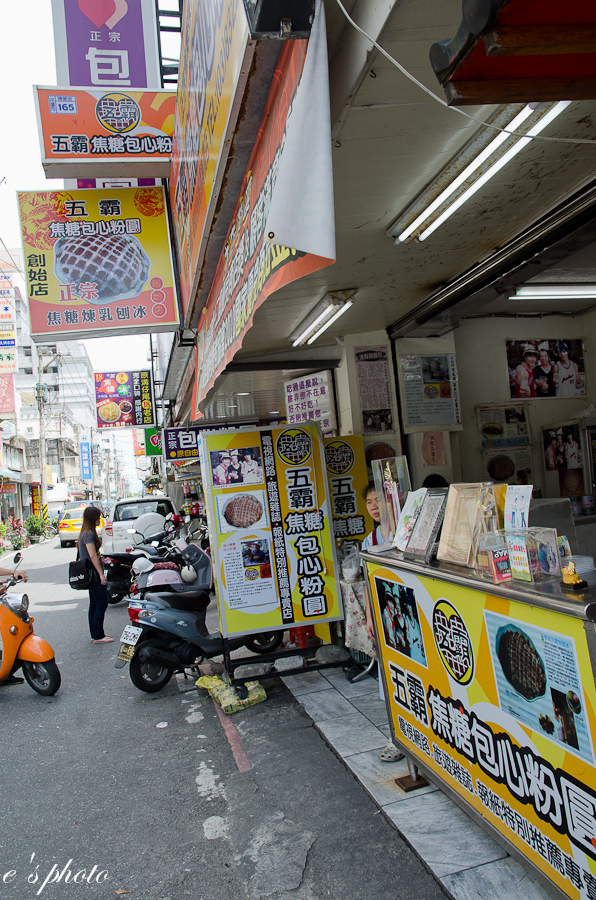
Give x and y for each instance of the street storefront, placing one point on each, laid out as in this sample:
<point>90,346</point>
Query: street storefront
<point>491,691</point>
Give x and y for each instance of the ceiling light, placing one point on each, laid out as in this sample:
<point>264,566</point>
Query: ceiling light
<point>330,308</point>
<point>556,292</point>
<point>274,412</point>
<point>243,394</point>
<point>486,160</point>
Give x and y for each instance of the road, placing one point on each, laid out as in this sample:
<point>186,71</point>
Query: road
<point>157,797</point>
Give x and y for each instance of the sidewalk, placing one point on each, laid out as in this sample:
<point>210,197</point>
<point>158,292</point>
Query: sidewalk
<point>464,859</point>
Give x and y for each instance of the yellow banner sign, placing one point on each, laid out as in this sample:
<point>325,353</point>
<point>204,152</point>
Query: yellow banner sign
<point>497,698</point>
<point>273,548</point>
<point>348,478</point>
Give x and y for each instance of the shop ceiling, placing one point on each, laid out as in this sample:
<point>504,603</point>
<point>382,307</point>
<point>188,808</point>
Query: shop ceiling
<point>390,141</point>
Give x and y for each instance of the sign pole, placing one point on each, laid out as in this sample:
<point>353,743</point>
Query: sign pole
<point>42,432</point>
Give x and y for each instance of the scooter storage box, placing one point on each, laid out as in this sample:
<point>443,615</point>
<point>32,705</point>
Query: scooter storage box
<point>201,563</point>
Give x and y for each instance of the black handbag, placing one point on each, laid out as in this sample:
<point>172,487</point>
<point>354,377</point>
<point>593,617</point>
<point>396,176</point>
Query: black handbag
<point>81,574</point>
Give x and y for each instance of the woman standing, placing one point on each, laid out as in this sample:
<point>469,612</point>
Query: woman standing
<point>89,544</point>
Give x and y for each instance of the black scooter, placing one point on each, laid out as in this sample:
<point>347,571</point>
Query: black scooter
<point>172,635</point>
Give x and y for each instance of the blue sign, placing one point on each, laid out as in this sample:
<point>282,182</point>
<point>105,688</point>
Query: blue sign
<point>86,470</point>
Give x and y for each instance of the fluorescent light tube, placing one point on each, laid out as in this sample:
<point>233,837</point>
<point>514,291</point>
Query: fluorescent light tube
<point>556,291</point>
<point>312,325</point>
<point>339,312</point>
<point>496,167</point>
<point>463,176</point>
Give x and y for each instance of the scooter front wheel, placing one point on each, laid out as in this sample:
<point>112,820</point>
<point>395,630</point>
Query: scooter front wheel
<point>147,676</point>
<point>43,677</point>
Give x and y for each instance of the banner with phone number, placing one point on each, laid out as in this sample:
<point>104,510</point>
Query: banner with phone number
<point>269,517</point>
<point>498,699</point>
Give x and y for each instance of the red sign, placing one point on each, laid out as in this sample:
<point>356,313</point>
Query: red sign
<point>6,395</point>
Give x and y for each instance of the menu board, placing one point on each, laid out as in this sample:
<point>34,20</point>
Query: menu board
<point>430,390</point>
<point>124,399</point>
<point>270,522</point>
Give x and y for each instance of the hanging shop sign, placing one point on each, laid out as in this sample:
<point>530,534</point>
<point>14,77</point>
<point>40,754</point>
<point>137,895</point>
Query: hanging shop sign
<point>106,44</point>
<point>105,132</point>
<point>8,331</point>
<point>215,57</point>
<point>7,403</point>
<point>278,233</point>
<point>429,391</point>
<point>138,441</point>
<point>505,446</point>
<point>539,369</point>
<point>85,454</point>
<point>35,499</point>
<point>311,399</point>
<point>98,262</point>
<point>347,478</point>
<point>153,444</point>
<point>124,399</point>
<point>497,699</point>
<point>8,488</point>
<point>182,443</point>
<point>274,554</point>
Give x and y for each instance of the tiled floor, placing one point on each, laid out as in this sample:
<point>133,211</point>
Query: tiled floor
<point>353,721</point>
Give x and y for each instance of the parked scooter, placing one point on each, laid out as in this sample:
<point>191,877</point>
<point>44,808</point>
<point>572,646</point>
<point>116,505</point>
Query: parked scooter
<point>170,634</point>
<point>21,649</point>
<point>119,566</point>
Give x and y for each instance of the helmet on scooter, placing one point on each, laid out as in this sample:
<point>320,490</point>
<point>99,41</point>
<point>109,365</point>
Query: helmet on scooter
<point>188,574</point>
<point>142,565</point>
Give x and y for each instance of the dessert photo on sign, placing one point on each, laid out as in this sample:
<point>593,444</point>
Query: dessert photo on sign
<point>239,511</point>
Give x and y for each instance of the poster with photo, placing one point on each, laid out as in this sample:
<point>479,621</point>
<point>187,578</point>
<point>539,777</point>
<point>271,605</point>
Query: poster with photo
<point>374,389</point>
<point>517,506</point>
<point>543,369</point>
<point>247,570</point>
<point>505,443</point>
<point>562,447</point>
<point>538,682</point>
<point>400,619</point>
<point>430,390</point>
<point>236,467</point>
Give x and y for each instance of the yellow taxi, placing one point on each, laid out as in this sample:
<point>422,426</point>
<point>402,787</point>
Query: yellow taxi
<point>70,521</point>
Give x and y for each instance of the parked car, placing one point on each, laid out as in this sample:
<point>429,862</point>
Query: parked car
<point>70,520</point>
<point>124,515</point>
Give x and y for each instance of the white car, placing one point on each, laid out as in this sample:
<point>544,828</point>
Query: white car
<point>124,516</point>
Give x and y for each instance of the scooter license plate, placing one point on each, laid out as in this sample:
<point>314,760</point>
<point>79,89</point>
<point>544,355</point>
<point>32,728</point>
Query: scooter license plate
<point>128,640</point>
<point>131,634</point>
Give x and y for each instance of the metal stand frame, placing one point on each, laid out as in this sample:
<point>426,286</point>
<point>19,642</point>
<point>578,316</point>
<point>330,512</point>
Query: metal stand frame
<point>308,664</point>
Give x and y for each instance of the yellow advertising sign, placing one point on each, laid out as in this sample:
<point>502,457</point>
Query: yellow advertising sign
<point>347,477</point>
<point>497,698</point>
<point>98,262</point>
<point>269,518</point>
<point>212,53</point>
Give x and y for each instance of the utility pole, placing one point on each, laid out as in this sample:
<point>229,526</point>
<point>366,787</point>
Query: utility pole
<point>41,390</point>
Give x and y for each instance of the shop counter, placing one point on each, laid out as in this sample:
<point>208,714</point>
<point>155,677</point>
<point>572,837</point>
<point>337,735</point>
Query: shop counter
<point>491,693</point>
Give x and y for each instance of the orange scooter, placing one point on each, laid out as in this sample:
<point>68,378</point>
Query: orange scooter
<point>21,648</point>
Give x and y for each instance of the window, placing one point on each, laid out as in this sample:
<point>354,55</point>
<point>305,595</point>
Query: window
<point>29,431</point>
<point>27,351</point>
<point>28,371</point>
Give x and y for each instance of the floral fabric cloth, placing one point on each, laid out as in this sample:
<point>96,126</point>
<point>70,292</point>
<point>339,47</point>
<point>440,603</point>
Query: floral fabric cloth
<point>354,598</point>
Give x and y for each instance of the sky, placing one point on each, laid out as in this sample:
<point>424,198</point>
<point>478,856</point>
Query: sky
<point>28,59</point>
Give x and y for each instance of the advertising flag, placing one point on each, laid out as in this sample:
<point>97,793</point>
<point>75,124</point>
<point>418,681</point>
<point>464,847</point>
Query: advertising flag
<point>97,262</point>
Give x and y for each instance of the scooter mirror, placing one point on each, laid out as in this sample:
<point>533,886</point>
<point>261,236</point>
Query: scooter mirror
<point>18,557</point>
